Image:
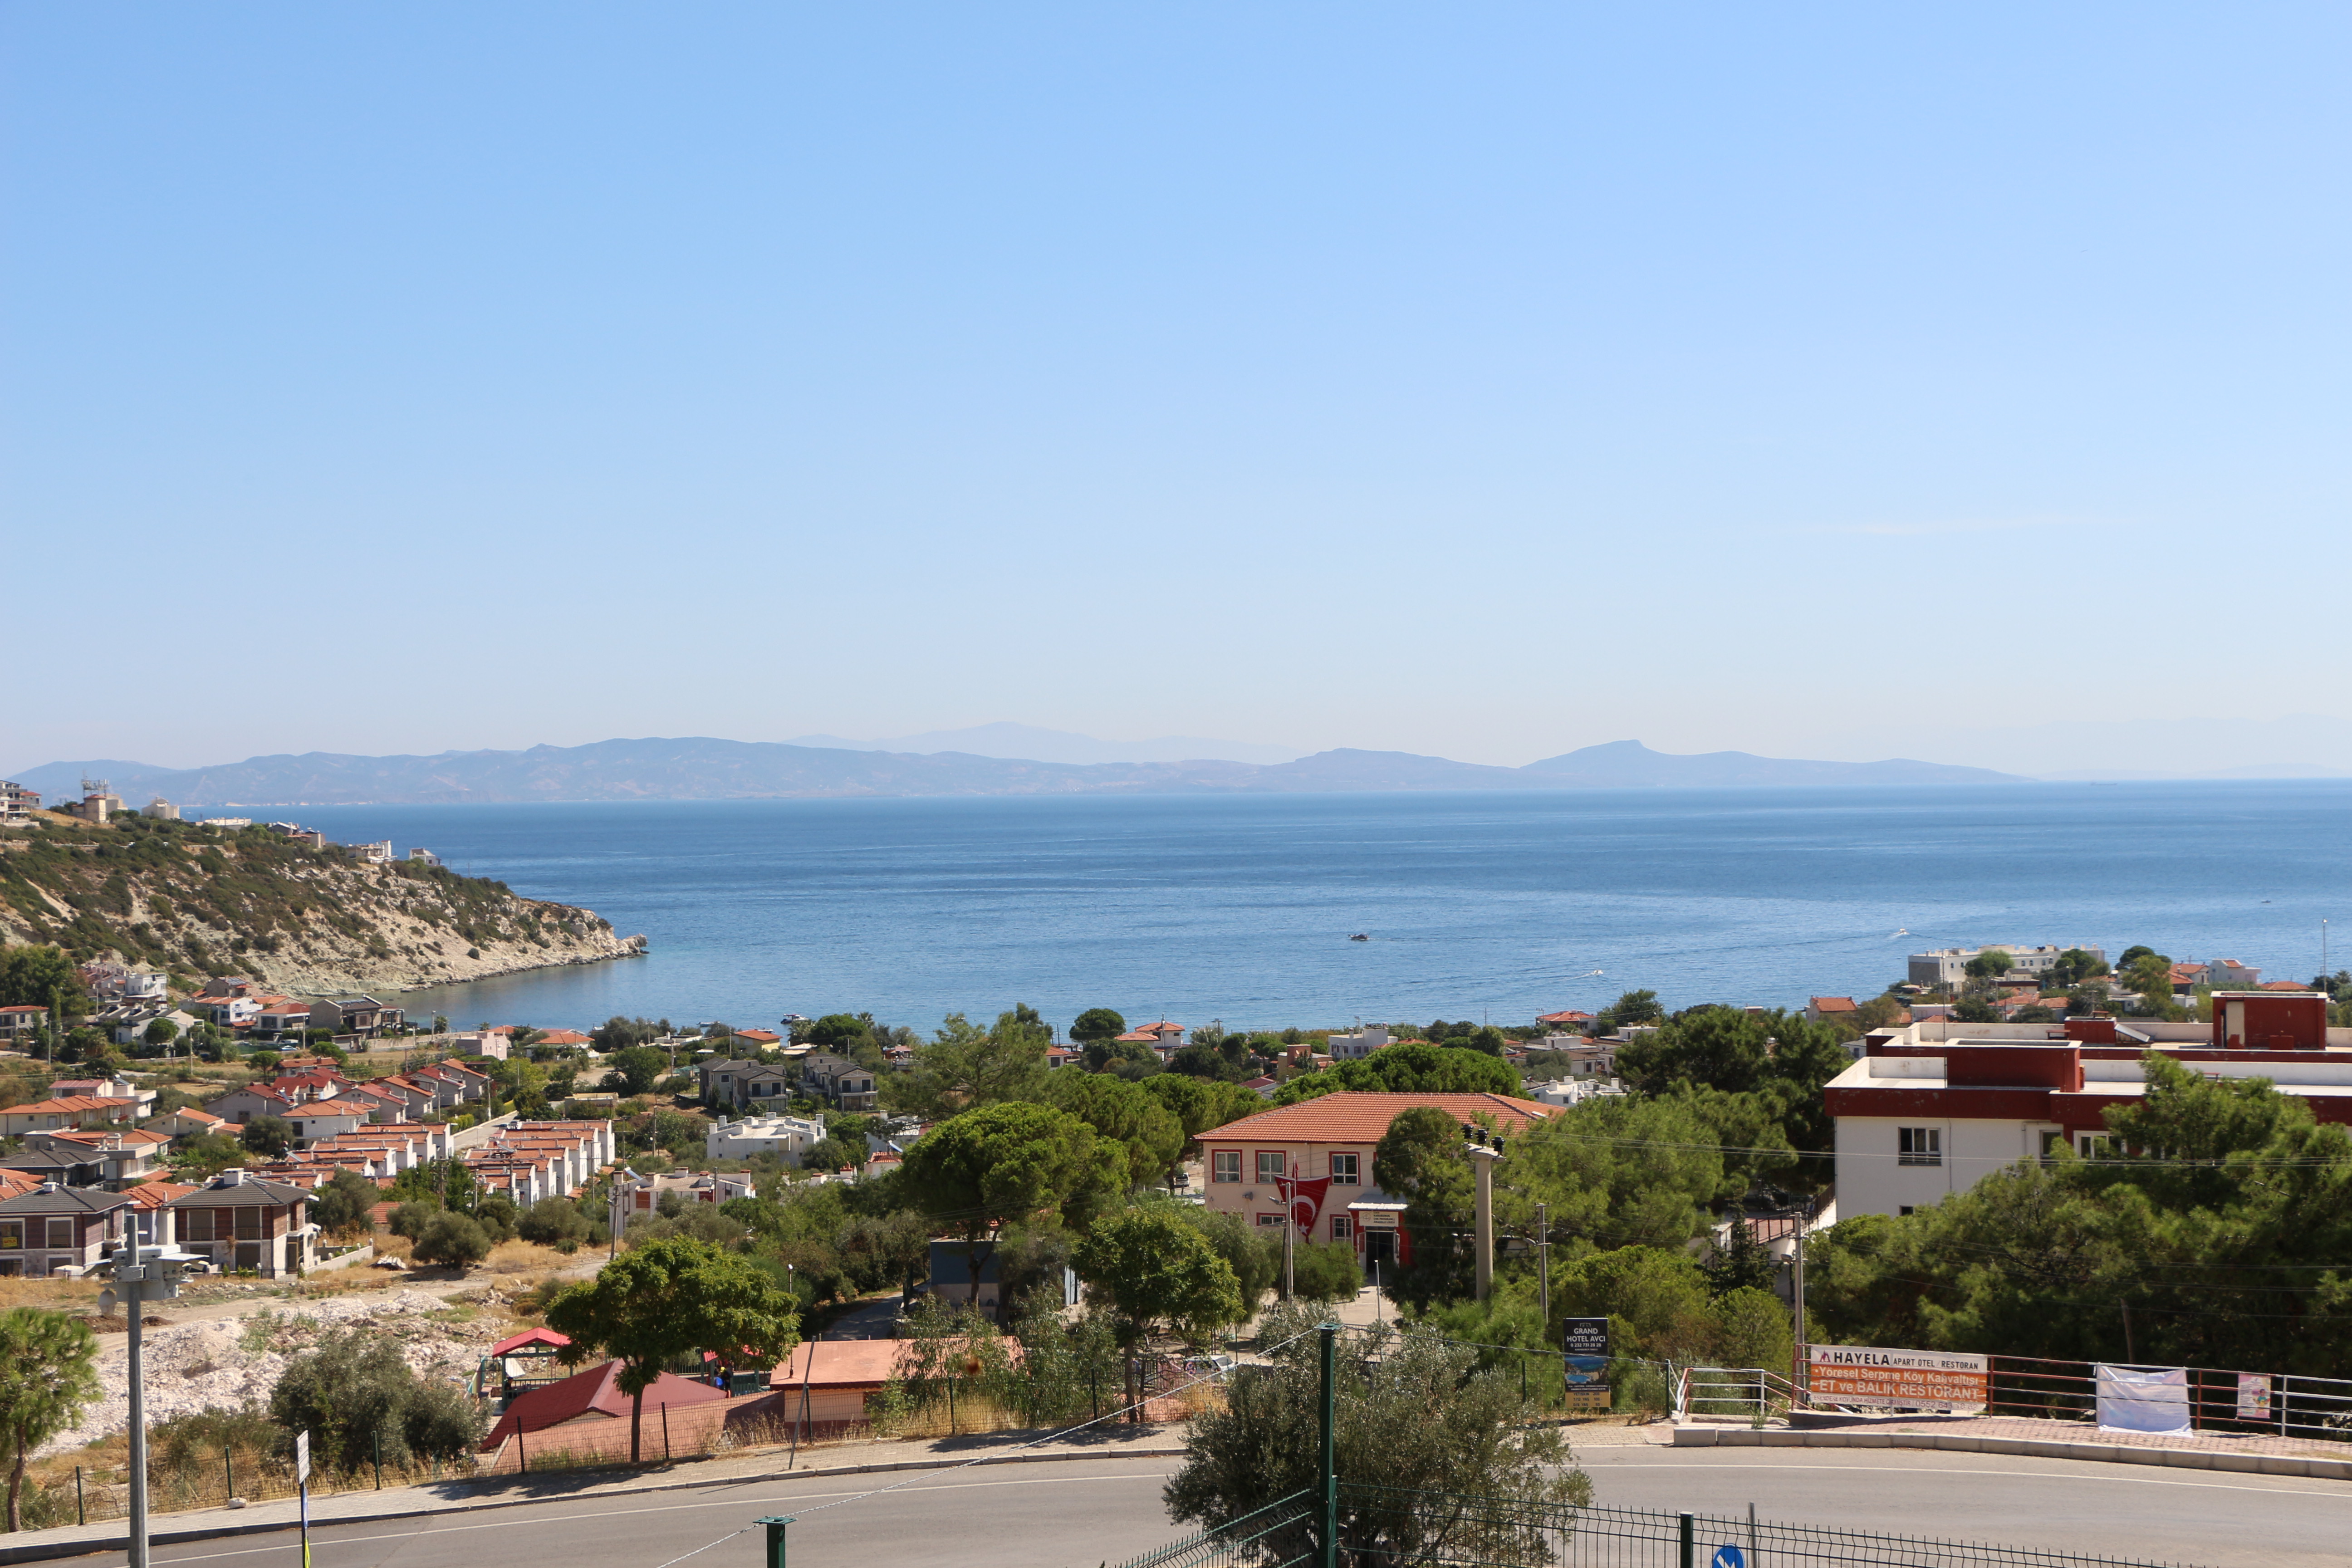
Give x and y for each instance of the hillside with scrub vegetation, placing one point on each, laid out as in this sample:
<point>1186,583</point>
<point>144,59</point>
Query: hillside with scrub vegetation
<point>195,900</point>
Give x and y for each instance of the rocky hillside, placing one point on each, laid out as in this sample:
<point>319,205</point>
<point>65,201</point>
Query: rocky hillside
<point>196,902</point>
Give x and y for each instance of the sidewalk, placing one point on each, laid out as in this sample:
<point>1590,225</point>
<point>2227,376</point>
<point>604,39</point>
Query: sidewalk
<point>2249,1453</point>
<point>1120,1442</point>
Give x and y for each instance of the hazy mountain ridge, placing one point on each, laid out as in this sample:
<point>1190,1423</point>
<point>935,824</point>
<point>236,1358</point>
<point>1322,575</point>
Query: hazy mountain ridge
<point>699,768</point>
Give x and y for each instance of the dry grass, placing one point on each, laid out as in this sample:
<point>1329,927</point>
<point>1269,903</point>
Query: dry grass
<point>525,1257</point>
<point>61,1294</point>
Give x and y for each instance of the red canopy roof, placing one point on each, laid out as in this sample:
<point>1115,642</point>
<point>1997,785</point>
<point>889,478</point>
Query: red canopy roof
<point>529,1337</point>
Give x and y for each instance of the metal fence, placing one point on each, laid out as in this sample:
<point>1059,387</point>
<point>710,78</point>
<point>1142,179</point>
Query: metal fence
<point>2276,1404</point>
<point>1386,1527</point>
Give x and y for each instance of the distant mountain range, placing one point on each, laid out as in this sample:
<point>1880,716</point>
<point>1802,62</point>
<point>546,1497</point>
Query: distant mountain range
<point>1027,742</point>
<point>700,769</point>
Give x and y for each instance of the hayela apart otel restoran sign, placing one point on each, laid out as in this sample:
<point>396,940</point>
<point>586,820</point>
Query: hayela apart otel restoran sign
<point>1912,1379</point>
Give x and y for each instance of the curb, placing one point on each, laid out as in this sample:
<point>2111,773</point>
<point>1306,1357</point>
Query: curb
<point>41,1551</point>
<point>2027,1448</point>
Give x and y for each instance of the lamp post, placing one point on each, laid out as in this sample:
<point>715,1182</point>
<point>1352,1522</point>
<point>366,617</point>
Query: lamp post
<point>152,1274</point>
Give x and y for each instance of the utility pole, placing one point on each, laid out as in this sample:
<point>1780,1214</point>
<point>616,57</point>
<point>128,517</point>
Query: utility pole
<point>1484,1159</point>
<point>1328,1452</point>
<point>1797,1290</point>
<point>1543,1265</point>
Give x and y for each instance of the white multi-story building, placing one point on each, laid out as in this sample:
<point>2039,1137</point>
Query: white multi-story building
<point>785,1137</point>
<point>1949,965</point>
<point>1933,1109</point>
<point>1355,1048</point>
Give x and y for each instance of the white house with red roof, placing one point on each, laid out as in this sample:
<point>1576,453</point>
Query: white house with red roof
<point>1315,1160</point>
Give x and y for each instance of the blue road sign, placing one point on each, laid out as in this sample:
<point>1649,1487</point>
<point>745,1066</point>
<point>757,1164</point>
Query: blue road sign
<point>1729,1557</point>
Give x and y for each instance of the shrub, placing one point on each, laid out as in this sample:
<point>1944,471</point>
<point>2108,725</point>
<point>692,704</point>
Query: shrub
<point>1326,1272</point>
<point>453,1240</point>
<point>356,1389</point>
<point>551,1222</point>
<point>495,1215</point>
<point>342,1207</point>
<point>410,1219</point>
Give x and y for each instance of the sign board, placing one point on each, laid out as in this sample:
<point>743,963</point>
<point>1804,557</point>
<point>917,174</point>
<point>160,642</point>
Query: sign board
<point>1902,1379</point>
<point>1728,1556</point>
<point>1585,1363</point>
<point>2253,1396</point>
<point>302,1457</point>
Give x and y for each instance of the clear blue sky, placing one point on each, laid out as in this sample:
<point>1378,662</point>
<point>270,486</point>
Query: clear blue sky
<point>1482,380</point>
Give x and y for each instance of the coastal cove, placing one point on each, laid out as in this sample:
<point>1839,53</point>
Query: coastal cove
<point>1240,908</point>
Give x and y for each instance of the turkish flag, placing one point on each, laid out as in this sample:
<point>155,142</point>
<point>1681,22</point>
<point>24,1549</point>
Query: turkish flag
<point>1306,1201</point>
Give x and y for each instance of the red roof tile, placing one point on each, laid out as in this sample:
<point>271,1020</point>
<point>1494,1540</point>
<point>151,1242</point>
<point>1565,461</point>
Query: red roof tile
<point>594,1392</point>
<point>1362,1116</point>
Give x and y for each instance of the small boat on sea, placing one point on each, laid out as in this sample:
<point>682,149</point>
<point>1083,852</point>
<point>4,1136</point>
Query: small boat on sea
<point>1361,936</point>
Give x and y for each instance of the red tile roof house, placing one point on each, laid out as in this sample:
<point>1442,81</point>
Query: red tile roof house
<point>53,1229</point>
<point>246,1224</point>
<point>1818,1009</point>
<point>243,1105</point>
<point>586,1416</point>
<point>1326,1144</point>
<point>65,1113</point>
<point>21,1019</point>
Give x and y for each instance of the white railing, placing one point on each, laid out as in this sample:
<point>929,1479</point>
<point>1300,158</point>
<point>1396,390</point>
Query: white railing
<point>1754,1393</point>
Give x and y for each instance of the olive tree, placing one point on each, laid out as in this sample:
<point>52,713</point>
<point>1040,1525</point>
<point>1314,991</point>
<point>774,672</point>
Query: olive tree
<point>1410,1414</point>
<point>47,1373</point>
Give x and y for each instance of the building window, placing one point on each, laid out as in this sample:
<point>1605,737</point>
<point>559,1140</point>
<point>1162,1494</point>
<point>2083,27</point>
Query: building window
<point>1268,1221</point>
<point>2094,1146</point>
<point>2051,1143</point>
<point>1225,1166</point>
<point>12,1236</point>
<point>1919,1146</point>
<point>1269,1165</point>
<point>1342,1228</point>
<point>1343,1169</point>
<point>62,1232</point>
<point>1907,1209</point>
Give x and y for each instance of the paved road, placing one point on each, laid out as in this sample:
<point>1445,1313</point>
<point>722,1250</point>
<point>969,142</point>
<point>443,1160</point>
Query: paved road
<point>1087,1513</point>
<point>2136,1511</point>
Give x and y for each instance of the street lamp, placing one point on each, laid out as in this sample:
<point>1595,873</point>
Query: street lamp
<point>152,1274</point>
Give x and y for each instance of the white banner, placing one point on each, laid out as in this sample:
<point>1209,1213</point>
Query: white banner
<point>2135,1400</point>
<point>302,1456</point>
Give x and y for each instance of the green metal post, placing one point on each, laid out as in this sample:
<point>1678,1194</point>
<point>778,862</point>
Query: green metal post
<point>1328,1469</point>
<point>82,1510</point>
<point>1690,1543</point>
<point>775,1539</point>
<point>229,1464</point>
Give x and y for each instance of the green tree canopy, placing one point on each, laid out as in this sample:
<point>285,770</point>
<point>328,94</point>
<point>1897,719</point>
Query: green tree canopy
<point>1419,1159</point>
<point>452,1240</point>
<point>614,1033</point>
<point>270,1135</point>
<point>966,1067</point>
<point>1199,1104</point>
<point>634,1069</point>
<point>49,1370</point>
<point>1097,1023</point>
<point>1155,1269</point>
<point>37,975</point>
<point>1412,1068</point>
<point>975,1171</point>
<point>345,1205</point>
<point>669,1299</point>
<point>1127,1111</point>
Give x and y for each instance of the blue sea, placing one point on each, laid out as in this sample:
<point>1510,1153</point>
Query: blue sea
<point>1239,908</point>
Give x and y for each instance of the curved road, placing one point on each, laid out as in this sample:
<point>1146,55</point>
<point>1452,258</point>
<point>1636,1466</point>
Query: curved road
<point>1087,1513</point>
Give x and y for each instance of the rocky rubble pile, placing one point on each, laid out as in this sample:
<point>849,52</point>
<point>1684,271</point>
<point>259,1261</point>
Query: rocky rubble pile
<point>231,1362</point>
